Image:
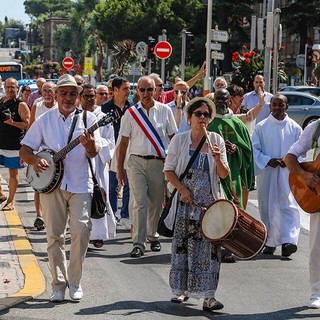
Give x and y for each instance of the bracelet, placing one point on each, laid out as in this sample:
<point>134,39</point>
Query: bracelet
<point>179,108</point>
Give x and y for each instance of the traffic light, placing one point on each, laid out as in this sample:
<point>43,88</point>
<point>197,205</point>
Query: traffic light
<point>151,45</point>
<point>189,45</point>
<point>309,57</point>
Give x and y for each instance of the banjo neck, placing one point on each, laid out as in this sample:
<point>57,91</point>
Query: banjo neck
<point>63,152</point>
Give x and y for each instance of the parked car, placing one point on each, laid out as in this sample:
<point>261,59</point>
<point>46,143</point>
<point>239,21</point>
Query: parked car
<point>308,89</point>
<point>304,108</point>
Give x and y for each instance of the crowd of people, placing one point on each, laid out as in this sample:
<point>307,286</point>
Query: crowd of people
<point>230,140</point>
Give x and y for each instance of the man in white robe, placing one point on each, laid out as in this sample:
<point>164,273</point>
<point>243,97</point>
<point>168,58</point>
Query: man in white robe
<point>279,211</point>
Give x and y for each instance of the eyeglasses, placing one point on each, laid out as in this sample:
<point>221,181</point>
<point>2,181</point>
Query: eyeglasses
<point>88,96</point>
<point>150,89</point>
<point>160,85</point>
<point>199,114</point>
<point>103,93</point>
<point>182,92</point>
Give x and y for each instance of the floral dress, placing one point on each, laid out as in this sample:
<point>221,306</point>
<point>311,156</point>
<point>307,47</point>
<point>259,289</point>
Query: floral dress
<point>195,261</point>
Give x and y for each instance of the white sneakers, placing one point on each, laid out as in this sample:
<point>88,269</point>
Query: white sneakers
<point>57,296</point>
<point>125,222</point>
<point>314,303</point>
<point>75,292</point>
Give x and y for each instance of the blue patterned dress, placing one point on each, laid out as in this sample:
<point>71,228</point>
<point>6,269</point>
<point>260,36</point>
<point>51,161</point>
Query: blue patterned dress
<point>195,262</point>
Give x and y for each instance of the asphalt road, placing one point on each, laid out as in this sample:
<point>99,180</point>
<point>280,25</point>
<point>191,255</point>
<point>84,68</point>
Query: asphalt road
<point>119,287</point>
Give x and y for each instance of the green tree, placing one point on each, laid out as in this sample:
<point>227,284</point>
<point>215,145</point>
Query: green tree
<point>299,17</point>
<point>36,8</point>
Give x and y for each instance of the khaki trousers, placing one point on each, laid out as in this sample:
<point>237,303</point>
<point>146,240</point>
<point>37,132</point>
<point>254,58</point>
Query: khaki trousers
<point>58,207</point>
<point>146,180</point>
<point>314,260</point>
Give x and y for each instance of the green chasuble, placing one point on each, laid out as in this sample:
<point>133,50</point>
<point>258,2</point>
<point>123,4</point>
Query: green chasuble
<point>240,162</point>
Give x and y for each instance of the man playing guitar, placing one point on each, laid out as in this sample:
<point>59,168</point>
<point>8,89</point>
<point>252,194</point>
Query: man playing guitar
<point>72,199</point>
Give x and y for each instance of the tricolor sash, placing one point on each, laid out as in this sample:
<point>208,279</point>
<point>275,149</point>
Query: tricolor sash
<point>146,126</point>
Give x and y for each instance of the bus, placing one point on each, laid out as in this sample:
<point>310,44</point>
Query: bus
<point>11,70</point>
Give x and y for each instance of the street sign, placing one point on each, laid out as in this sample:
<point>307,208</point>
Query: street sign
<point>141,49</point>
<point>300,61</point>
<point>163,50</point>
<point>219,35</point>
<point>215,46</point>
<point>217,55</point>
<point>135,71</point>
<point>316,56</point>
<point>88,66</point>
<point>68,63</point>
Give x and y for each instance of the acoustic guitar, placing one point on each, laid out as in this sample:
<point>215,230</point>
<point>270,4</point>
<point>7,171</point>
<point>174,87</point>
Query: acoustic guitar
<point>307,198</point>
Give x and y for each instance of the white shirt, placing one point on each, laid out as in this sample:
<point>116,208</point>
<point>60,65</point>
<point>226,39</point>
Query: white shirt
<point>161,117</point>
<point>51,131</point>
<point>251,99</point>
<point>184,126</point>
<point>41,108</point>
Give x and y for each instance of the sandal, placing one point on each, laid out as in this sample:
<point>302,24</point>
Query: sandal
<point>180,299</point>
<point>97,243</point>
<point>3,199</point>
<point>210,304</point>
<point>8,207</point>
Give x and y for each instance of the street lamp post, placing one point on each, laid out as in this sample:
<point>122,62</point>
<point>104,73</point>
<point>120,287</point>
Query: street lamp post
<point>207,79</point>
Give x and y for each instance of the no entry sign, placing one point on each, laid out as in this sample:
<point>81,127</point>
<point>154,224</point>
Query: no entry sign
<point>68,63</point>
<point>163,50</point>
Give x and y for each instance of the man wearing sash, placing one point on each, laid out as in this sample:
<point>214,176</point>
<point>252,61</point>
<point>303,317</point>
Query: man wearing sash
<point>143,133</point>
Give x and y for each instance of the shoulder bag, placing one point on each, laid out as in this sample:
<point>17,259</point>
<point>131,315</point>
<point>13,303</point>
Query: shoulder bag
<point>163,230</point>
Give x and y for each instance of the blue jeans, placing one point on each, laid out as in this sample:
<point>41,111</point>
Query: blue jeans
<point>113,195</point>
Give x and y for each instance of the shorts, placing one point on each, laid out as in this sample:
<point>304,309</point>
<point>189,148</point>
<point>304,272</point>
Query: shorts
<point>10,162</point>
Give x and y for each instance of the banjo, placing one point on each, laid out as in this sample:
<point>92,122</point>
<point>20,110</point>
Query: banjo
<point>50,179</point>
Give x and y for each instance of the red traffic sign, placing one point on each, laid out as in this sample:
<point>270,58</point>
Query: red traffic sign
<point>68,63</point>
<point>163,50</point>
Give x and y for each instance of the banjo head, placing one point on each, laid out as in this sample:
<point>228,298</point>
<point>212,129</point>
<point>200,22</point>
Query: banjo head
<point>49,179</point>
<point>219,220</point>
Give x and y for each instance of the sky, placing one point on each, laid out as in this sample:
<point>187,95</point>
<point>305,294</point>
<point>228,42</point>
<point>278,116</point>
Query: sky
<point>13,9</point>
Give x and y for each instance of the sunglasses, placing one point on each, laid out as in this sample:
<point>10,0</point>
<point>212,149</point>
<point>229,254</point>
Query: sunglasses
<point>89,96</point>
<point>150,89</point>
<point>199,114</point>
<point>103,93</point>
<point>182,92</point>
<point>220,85</point>
<point>160,85</point>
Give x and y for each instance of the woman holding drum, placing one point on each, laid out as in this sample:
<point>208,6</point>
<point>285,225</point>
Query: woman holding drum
<point>195,261</point>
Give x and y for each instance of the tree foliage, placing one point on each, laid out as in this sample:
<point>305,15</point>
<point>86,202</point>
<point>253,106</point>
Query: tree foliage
<point>36,8</point>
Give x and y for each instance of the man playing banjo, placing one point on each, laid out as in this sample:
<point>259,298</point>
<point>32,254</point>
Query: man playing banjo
<point>72,199</point>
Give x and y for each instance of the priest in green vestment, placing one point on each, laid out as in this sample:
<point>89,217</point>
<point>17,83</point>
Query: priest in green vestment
<point>238,145</point>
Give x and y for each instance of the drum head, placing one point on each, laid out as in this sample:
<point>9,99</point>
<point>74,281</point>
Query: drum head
<point>219,220</point>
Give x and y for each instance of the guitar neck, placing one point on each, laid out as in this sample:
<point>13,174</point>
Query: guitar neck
<point>63,152</point>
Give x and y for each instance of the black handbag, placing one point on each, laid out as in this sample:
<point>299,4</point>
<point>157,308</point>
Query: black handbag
<point>163,230</point>
<point>99,196</point>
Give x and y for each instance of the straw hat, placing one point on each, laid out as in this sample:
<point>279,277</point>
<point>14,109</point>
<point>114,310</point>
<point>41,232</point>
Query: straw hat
<point>207,101</point>
<point>67,80</point>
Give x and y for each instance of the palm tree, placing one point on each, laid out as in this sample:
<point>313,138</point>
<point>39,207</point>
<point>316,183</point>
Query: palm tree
<point>123,53</point>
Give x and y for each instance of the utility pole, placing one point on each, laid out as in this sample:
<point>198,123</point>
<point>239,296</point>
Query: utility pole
<point>276,47</point>
<point>207,79</point>
<point>163,61</point>
<point>183,53</point>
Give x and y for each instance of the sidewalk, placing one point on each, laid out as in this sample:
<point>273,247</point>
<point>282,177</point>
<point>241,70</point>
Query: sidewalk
<point>21,278</point>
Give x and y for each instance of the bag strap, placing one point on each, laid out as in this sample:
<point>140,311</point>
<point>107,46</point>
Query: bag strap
<point>191,161</point>
<point>89,160</point>
<point>315,138</point>
<point>73,125</point>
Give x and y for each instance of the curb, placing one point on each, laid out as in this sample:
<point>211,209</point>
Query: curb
<point>34,281</point>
